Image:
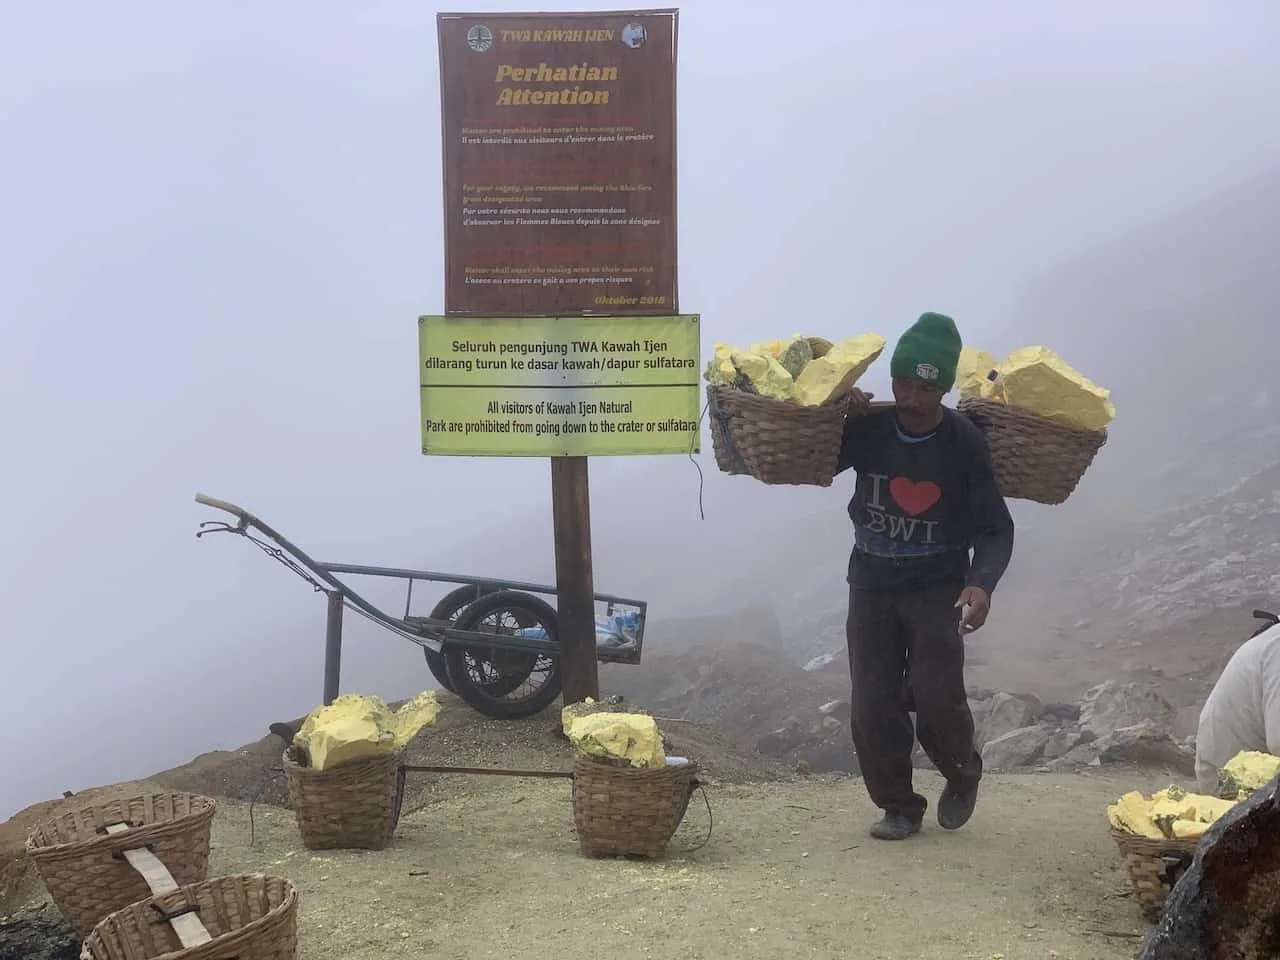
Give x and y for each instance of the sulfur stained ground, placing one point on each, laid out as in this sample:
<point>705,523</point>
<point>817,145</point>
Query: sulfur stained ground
<point>493,871</point>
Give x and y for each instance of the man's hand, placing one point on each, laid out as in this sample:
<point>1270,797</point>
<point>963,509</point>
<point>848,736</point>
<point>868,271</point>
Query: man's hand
<point>859,402</point>
<point>976,604</point>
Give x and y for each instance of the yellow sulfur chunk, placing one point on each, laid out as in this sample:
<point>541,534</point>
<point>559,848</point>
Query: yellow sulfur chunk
<point>1209,809</point>
<point>1171,812</point>
<point>1249,770</point>
<point>573,711</point>
<point>792,353</point>
<point>1038,380</point>
<point>774,348</point>
<point>356,726</point>
<point>765,374</point>
<point>633,737</point>
<point>767,348</point>
<point>1188,829</point>
<point>419,712</point>
<point>1165,810</point>
<point>720,368</point>
<point>1130,815</point>
<point>971,374</point>
<point>833,375</point>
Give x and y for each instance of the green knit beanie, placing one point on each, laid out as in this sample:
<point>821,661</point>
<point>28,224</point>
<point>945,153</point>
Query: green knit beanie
<point>928,351</point>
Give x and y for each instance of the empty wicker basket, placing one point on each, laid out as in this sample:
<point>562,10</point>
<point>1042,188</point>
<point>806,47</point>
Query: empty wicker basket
<point>1154,866</point>
<point>775,441</point>
<point>80,862</point>
<point>355,806</point>
<point>1033,458</point>
<point>249,917</point>
<point>623,811</point>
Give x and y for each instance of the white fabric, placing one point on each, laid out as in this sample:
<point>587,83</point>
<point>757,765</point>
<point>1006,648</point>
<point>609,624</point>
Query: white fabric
<point>1243,709</point>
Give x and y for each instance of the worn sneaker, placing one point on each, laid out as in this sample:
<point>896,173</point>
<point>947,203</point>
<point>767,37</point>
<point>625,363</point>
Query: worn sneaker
<point>955,806</point>
<point>894,826</point>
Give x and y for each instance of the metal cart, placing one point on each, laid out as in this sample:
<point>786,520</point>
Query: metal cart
<point>492,642</point>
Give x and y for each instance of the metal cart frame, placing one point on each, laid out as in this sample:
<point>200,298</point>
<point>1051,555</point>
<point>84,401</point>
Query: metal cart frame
<point>446,636</point>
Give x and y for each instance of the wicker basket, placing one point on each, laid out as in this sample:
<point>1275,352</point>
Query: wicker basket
<point>81,865</point>
<point>1154,866</point>
<point>354,806</point>
<point>775,441</point>
<point>1034,458</point>
<point>623,811</point>
<point>249,917</point>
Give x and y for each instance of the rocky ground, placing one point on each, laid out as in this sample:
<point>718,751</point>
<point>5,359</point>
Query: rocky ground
<point>1074,703</point>
<point>800,718</point>
<point>489,866</point>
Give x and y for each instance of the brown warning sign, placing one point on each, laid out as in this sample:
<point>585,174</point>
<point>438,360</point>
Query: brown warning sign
<point>559,136</point>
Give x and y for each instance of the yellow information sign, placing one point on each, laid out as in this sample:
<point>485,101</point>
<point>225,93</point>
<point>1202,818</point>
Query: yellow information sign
<point>559,386</point>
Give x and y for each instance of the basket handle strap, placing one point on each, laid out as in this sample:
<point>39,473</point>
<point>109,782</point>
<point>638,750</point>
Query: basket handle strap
<point>698,785</point>
<point>401,771</point>
<point>722,420</point>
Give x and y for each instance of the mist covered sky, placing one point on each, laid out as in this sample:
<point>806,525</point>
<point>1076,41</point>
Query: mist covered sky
<point>220,223</point>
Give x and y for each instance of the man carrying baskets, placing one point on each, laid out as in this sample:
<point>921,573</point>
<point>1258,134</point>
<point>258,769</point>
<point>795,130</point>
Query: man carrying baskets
<point>925,497</point>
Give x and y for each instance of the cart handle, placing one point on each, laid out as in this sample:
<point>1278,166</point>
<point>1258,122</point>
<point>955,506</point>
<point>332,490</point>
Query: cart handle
<point>218,504</point>
<point>316,570</point>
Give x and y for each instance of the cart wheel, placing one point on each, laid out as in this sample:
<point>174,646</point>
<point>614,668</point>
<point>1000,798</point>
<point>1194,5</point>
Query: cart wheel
<point>450,608</point>
<point>450,605</point>
<point>505,684</point>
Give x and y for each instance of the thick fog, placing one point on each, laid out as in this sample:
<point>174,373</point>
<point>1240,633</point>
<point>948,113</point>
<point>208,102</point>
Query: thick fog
<point>220,223</point>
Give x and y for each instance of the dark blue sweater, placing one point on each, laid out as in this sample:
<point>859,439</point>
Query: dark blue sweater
<point>922,503</point>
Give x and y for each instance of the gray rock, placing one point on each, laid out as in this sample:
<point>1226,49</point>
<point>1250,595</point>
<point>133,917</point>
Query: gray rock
<point>1002,714</point>
<point>782,741</point>
<point>1146,743</point>
<point>1079,756</point>
<point>1226,904</point>
<point>1110,706</point>
<point>821,660</point>
<point>1017,748</point>
<point>37,933</point>
<point>980,708</point>
<point>1062,741</point>
<point>1034,704</point>
<point>1062,712</point>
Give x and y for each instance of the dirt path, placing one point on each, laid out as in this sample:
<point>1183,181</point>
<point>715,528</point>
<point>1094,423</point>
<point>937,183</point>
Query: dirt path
<point>789,871</point>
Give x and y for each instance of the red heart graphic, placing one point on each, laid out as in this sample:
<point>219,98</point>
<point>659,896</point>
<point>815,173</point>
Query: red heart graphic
<point>915,498</point>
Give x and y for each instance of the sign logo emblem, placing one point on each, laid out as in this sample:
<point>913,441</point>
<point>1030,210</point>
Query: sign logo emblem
<point>634,35</point>
<point>926,371</point>
<point>479,38</point>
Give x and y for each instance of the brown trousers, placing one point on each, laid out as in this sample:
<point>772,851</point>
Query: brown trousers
<point>906,652</point>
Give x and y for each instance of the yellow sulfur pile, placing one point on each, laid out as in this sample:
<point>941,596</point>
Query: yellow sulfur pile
<point>633,737</point>
<point>971,374</point>
<point>1172,813</point>
<point>810,371</point>
<point>1037,380</point>
<point>1248,771</point>
<point>356,726</point>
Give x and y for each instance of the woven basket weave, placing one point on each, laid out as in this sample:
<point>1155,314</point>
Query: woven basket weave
<point>355,806</point>
<point>623,811</point>
<point>1033,458</point>
<point>1154,866</point>
<point>249,916</point>
<point>775,441</point>
<point>81,865</point>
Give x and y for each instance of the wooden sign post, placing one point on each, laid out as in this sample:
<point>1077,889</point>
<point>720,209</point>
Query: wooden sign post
<point>575,583</point>
<point>561,336</point>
